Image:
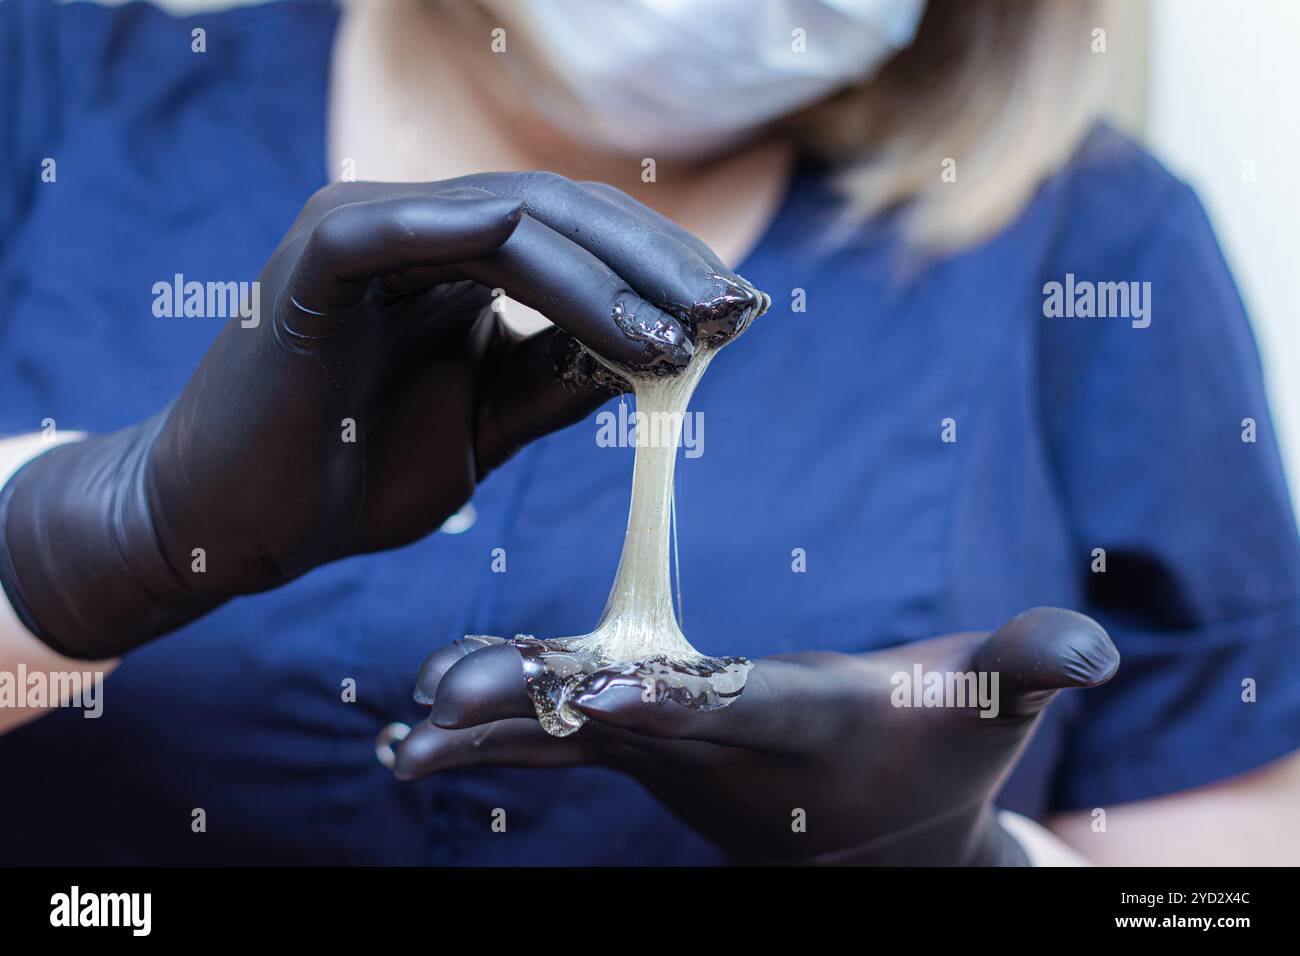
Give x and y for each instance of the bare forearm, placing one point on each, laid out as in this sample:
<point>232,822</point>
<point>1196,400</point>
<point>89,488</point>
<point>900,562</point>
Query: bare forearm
<point>1247,820</point>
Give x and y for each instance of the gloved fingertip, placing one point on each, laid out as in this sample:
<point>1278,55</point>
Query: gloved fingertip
<point>1046,649</point>
<point>484,686</point>
<point>728,312</point>
<point>652,341</point>
<point>611,705</point>
<point>426,681</point>
<point>448,714</point>
<point>504,215</point>
<point>1075,650</point>
<point>436,665</point>
<point>416,756</point>
<point>1092,657</point>
<point>623,705</point>
<point>487,219</point>
<point>509,211</point>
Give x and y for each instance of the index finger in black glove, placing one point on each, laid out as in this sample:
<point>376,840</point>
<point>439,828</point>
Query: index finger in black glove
<point>660,260</point>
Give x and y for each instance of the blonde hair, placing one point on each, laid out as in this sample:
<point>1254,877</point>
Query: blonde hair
<point>1001,92</point>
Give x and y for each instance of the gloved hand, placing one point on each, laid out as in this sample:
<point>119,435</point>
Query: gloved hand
<point>379,329</point>
<point>815,732</point>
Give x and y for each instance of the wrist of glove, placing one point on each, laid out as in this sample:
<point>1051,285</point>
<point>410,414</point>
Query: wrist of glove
<point>82,561</point>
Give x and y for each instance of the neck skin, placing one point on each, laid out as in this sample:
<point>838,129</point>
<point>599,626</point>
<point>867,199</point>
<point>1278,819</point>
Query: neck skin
<point>417,96</point>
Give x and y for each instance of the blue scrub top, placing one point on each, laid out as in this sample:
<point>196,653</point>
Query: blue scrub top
<point>824,427</point>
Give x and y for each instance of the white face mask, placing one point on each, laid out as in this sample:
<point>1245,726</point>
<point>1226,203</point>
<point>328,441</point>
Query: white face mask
<point>688,77</point>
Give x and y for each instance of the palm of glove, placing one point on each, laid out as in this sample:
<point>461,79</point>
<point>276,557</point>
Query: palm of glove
<point>814,760</point>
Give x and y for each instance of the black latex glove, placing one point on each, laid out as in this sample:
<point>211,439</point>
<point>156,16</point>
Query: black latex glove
<point>376,309</point>
<point>815,732</point>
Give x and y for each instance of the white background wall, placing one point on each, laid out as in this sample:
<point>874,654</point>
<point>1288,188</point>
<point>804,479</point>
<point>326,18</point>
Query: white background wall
<point>1224,87</point>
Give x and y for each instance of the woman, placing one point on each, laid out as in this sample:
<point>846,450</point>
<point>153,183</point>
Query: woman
<point>907,446</point>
